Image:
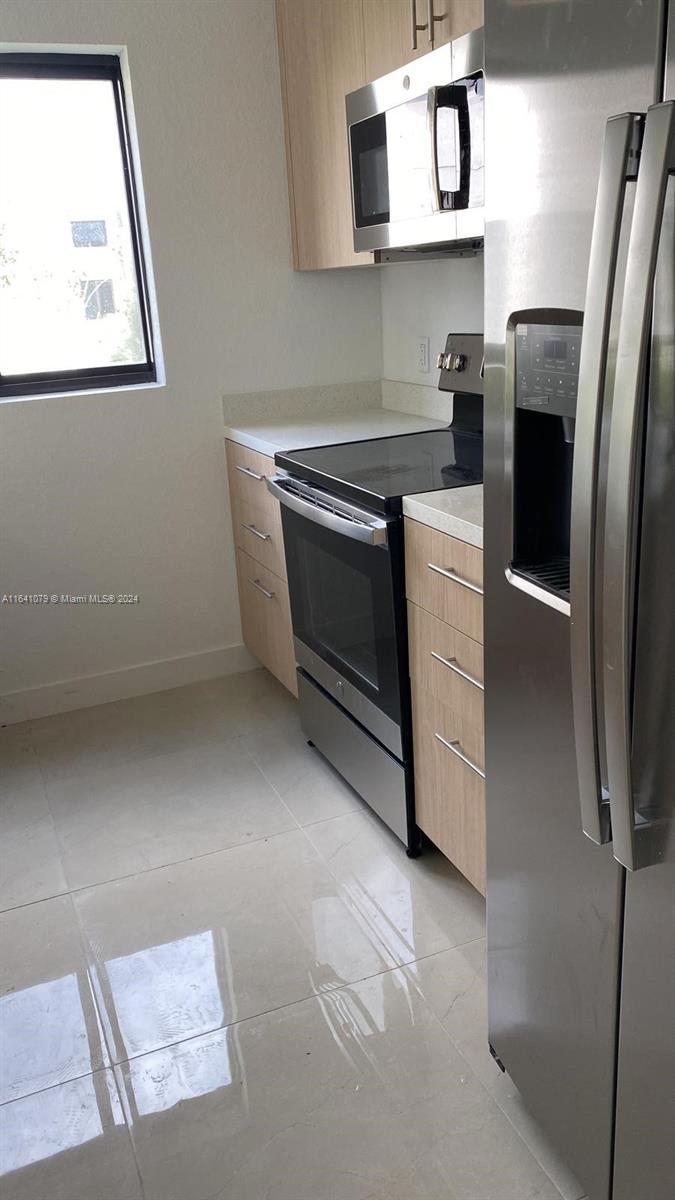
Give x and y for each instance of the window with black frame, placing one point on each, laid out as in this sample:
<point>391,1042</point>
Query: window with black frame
<point>74,310</point>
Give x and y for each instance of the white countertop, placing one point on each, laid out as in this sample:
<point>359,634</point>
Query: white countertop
<point>299,433</point>
<point>457,511</point>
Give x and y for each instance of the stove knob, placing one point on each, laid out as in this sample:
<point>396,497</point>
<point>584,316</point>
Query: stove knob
<point>452,362</point>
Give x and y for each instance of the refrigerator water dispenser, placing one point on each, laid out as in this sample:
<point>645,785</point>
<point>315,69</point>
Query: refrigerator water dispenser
<point>546,376</point>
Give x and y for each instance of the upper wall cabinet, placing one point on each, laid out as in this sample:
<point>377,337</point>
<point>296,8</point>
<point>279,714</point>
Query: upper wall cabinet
<point>328,48</point>
<point>322,54</point>
<point>396,31</point>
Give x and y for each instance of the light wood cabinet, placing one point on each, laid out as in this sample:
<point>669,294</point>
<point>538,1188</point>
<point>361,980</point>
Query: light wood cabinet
<point>445,634</point>
<point>266,618</point>
<point>261,565</point>
<point>449,794</point>
<point>387,27</point>
<point>445,576</point>
<point>322,56</point>
<point>256,515</point>
<point>456,17</point>
<point>449,666</point>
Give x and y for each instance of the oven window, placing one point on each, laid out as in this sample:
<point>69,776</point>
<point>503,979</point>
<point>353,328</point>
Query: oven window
<point>339,601</point>
<point>347,605</point>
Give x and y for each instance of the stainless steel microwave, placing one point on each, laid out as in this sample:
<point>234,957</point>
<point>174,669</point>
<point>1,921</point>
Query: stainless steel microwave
<point>416,145</point>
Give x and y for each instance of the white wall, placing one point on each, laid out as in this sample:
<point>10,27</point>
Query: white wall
<point>427,299</point>
<point>126,491</point>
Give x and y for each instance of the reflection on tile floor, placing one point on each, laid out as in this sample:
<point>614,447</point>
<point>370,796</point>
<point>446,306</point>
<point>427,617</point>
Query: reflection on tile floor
<point>222,979</point>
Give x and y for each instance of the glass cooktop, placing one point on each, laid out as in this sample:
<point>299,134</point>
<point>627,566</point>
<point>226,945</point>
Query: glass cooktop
<point>380,472</point>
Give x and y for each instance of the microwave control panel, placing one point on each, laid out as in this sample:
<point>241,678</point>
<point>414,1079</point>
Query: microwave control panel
<point>547,367</point>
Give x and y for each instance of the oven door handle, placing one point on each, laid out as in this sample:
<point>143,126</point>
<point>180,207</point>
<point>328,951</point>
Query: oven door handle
<point>339,516</point>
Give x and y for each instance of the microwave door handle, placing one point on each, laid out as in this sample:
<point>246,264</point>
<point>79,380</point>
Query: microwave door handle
<point>635,840</point>
<point>432,130</point>
<point>454,97</point>
<point>617,165</point>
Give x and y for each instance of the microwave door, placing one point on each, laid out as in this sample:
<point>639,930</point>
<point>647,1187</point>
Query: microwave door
<point>408,161</point>
<point>390,166</point>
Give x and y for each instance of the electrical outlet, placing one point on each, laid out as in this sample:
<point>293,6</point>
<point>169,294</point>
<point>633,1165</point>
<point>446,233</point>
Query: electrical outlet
<point>423,355</point>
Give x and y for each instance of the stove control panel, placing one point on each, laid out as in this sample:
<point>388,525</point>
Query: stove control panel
<point>461,364</point>
<point>547,367</point>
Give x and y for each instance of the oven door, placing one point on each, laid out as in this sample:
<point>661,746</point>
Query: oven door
<point>345,576</point>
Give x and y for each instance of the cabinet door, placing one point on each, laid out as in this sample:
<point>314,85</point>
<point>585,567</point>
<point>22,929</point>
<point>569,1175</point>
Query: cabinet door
<point>388,30</point>
<point>266,619</point>
<point>445,577</point>
<point>449,790</point>
<point>322,57</point>
<point>452,18</point>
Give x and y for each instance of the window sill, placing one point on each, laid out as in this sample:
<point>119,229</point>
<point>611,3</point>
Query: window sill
<point>90,391</point>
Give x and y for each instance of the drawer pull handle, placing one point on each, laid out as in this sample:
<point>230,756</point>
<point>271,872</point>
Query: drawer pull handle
<point>473,587</point>
<point>453,665</point>
<point>453,747</point>
<point>265,591</point>
<point>247,471</point>
<point>264,537</point>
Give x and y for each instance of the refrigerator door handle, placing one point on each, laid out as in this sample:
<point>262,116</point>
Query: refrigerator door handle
<point>634,843</point>
<point>619,156</point>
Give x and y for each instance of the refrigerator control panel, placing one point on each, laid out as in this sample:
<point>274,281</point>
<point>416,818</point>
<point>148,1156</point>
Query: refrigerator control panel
<point>547,367</point>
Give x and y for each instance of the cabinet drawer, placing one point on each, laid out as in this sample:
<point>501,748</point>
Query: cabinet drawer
<point>246,470</point>
<point>445,577</point>
<point>449,666</point>
<point>449,794</point>
<point>258,531</point>
<point>266,618</point>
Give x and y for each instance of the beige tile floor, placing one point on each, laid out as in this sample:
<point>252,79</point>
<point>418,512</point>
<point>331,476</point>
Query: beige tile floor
<point>222,979</point>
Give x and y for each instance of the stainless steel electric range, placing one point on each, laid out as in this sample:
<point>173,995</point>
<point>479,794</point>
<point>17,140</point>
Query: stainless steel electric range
<point>343,535</point>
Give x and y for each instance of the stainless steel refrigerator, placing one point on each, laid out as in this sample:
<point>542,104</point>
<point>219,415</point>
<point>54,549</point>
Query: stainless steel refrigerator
<point>580,577</point>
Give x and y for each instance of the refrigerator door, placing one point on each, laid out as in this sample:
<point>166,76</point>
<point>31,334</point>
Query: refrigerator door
<point>645,1148</point>
<point>636,827</point>
<point>556,73</point>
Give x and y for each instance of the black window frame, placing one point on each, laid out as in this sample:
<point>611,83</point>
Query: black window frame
<point>90,66</point>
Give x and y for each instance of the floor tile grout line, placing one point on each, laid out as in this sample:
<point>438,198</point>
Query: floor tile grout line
<point>348,901</point>
<point>60,1083</point>
<point>435,1017</point>
<point>495,1100</point>
<point>268,781</point>
<point>116,704</point>
<point>72,891</point>
<point>90,1075</point>
<point>116,1064</point>
<point>235,738</point>
<point>307,824</point>
<point>143,758</point>
<point>107,1022</point>
<point>123,1098</point>
<point>86,887</point>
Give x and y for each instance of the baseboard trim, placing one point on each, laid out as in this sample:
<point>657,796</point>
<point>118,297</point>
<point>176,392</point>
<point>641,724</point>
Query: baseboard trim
<point>158,676</point>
